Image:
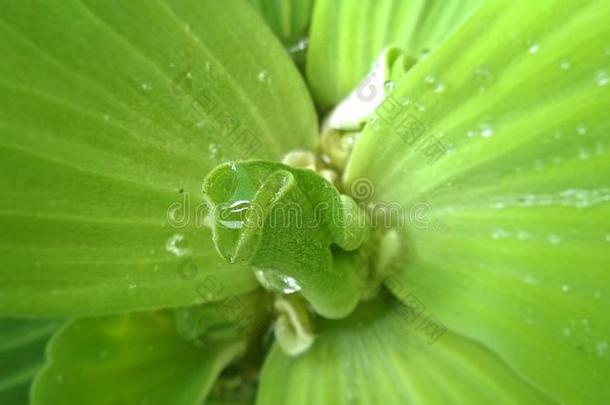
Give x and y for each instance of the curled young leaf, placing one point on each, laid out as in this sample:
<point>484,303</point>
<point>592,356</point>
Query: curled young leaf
<point>282,221</point>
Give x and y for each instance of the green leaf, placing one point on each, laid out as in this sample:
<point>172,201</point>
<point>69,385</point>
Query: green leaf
<point>346,36</point>
<point>132,358</point>
<point>289,19</point>
<point>282,221</point>
<point>384,354</point>
<point>22,343</point>
<point>112,113</point>
<point>498,150</point>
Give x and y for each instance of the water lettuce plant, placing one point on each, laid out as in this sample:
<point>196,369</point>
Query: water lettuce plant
<point>304,202</point>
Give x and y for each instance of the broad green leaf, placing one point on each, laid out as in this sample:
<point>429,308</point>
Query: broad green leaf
<point>497,148</point>
<point>112,113</point>
<point>131,358</point>
<point>346,36</point>
<point>282,221</point>
<point>289,20</point>
<point>384,354</point>
<point>22,343</point>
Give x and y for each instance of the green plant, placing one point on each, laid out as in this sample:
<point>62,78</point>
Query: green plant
<point>205,201</point>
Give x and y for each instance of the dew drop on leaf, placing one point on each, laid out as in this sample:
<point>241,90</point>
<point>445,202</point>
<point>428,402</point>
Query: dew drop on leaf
<point>264,77</point>
<point>602,349</point>
<point>554,239</point>
<point>214,151</point>
<point>172,245</point>
<point>486,130</point>
<point>533,48</point>
<point>275,280</point>
<point>601,78</point>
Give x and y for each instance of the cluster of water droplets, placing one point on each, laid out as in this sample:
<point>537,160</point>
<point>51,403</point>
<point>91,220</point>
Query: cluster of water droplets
<point>276,281</point>
<point>172,245</point>
<point>435,84</point>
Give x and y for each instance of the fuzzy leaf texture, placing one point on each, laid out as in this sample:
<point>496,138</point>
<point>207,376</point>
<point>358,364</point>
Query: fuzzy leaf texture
<point>502,136</point>
<point>117,112</point>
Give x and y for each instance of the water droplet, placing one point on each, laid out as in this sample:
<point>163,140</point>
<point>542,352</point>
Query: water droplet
<point>581,129</point>
<point>404,101</point>
<point>264,77</point>
<point>146,87</point>
<point>482,72</point>
<point>565,64</point>
<point>602,78</point>
<point>597,294</point>
<point>583,154</point>
<point>189,75</point>
<point>59,378</point>
<point>565,288</point>
<point>486,130</point>
<point>599,149</point>
<point>529,279</point>
<point>55,292</point>
<point>499,205</point>
<point>132,286</point>
<point>300,46</point>
<point>213,151</point>
<point>274,280</point>
<point>554,239</point>
<point>608,237</point>
<point>389,86</point>
<point>567,332</point>
<point>207,66</point>
<point>499,234</point>
<point>435,83</point>
<point>602,348</point>
<point>420,107</point>
<point>187,28</point>
<point>172,245</point>
<point>232,216</point>
<point>523,235</point>
<point>106,117</point>
<point>533,48</point>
